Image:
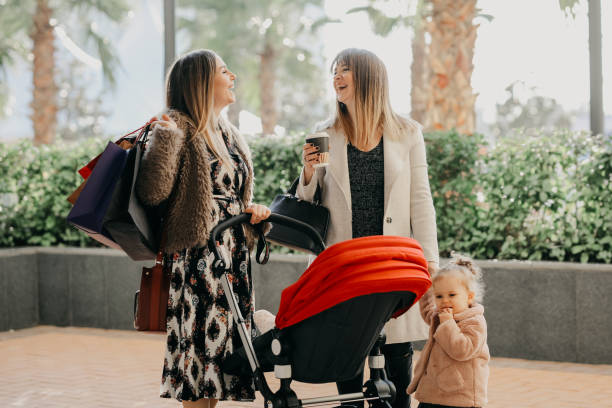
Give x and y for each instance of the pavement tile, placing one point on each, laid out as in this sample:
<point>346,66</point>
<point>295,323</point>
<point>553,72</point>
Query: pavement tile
<point>75,367</point>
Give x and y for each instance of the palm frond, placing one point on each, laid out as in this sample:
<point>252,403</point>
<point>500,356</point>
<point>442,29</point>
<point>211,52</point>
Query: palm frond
<point>4,96</point>
<point>568,7</point>
<point>83,31</point>
<point>381,24</point>
<point>114,10</point>
<point>487,17</point>
<point>107,54</point>
<point>320,22</point>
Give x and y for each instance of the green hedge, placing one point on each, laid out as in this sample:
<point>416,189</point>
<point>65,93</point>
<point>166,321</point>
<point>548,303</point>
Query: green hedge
<point>540,196</point>
<point>537,196</point>
<point>548,196</point>
<point>34,184</point>
<point>277,161</point>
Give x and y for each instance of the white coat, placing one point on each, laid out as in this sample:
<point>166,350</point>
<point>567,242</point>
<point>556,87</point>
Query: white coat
<point>409,209</point>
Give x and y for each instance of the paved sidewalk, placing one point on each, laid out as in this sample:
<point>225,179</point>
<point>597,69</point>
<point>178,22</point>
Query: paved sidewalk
<point>79,367</point>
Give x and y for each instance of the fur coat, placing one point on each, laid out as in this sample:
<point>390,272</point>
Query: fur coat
<point>453,368</point>
<point>176,168</point>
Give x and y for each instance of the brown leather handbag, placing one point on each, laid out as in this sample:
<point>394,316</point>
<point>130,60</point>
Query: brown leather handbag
<point>151,301</point>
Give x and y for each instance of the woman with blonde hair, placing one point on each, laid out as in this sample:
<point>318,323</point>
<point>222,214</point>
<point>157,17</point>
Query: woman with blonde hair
<point>199,165</point>
<point>376,183</point>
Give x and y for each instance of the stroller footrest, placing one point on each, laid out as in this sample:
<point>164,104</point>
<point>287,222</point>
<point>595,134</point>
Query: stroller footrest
<point>356,396</point>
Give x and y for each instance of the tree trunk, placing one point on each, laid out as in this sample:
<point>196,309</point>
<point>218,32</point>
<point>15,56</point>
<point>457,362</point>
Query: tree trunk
<point>453,34</point>
<point>44,100</point>
<point>595,68</point>
<point>419,78</point>
<point>269,115</point>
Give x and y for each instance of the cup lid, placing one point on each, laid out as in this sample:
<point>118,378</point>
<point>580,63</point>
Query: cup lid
<point>317,134</point>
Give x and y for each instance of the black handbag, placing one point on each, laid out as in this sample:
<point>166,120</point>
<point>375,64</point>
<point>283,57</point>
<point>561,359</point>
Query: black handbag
<point>313,214</point>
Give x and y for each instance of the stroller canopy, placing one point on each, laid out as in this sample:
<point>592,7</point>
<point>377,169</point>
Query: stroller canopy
<point>361,266</point>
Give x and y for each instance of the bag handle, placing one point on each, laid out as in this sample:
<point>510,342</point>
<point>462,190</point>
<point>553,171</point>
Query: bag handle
<point>143,136</point>
<point>262,248</point>
<point>141,129</point>
<point>293,189</point>
<point>162,246</point>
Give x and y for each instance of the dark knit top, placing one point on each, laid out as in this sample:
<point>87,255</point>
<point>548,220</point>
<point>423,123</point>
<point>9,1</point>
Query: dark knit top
<point>367,179</point>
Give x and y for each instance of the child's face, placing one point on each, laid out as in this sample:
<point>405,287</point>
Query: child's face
<point>450,292</point>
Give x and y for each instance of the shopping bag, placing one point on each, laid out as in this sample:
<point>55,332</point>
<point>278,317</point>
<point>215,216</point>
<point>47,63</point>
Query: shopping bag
<point>134,226</point>
<point>92,204</point>
<point>72,198</point>
<point>126,141</point>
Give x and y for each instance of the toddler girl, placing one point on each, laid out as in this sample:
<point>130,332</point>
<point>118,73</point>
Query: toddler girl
<point>453,368</point>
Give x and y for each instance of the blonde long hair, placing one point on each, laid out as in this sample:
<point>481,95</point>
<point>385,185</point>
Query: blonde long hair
<point>189,90</point>
<point>373,111</point>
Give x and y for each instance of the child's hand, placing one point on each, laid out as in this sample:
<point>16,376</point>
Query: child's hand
<point>445,314</point>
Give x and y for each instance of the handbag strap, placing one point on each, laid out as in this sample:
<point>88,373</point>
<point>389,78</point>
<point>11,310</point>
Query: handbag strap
<point>143,136</point>
<point>262,248</point>
<point>162,246</point>
<point>293,190</point>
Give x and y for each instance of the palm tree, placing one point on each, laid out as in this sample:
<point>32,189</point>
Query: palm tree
<point>260,40</point>
<point>446,75</point>
<point>11,25</point>
<point>441,94</point>
<point>595,60</point>
<point>419,72</point>
<point>453,35</point>
<point>41,20</point>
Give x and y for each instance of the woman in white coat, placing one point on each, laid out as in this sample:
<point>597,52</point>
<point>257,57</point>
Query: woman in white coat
<point>376,183</point>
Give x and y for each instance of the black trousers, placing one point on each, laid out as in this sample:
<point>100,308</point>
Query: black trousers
<point>398,366</point>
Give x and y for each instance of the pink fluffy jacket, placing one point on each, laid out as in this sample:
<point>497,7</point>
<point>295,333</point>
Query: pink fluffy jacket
<point>453,368</point>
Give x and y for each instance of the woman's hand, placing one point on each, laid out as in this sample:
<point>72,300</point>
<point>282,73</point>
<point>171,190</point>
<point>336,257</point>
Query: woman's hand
<point>445,314</point>
<point>165,121</point>
<point>310,157</point>
<point>258,212</point>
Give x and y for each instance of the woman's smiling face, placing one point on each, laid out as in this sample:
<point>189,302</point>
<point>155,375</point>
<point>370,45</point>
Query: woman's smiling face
<point>344,84</point>
<point>223,85</point>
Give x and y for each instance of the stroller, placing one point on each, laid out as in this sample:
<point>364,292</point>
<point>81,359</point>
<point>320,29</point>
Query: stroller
<point>332,318</point>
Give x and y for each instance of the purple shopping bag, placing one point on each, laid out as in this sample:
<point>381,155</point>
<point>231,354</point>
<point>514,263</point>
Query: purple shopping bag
<point>92,205</point>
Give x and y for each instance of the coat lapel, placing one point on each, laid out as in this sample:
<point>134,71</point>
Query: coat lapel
<point>338,167</point>
<point>395,158</point>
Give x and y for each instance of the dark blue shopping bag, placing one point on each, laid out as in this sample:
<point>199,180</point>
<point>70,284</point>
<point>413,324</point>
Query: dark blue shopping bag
<point>135,227</point>
<point>90,209</point>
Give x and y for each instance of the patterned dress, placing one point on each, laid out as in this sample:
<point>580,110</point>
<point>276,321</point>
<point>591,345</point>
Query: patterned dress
<point>200,329</point>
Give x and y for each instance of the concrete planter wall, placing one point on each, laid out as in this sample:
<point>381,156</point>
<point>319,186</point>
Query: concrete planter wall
<point>535,310</point>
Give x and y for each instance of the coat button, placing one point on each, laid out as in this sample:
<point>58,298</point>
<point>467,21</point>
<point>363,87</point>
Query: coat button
<point>388,220</point>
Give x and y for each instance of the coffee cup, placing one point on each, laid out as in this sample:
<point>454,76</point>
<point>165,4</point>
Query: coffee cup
<point>320,140</point>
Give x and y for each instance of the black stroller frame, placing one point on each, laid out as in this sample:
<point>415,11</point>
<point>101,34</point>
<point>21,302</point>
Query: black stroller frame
<point>379,392</point>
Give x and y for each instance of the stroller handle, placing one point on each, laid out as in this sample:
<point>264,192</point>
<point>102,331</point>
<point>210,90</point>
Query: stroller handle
<point>274,218</point>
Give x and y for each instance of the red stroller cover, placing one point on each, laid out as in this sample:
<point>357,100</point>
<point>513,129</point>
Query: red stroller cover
<point>352,268</point>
